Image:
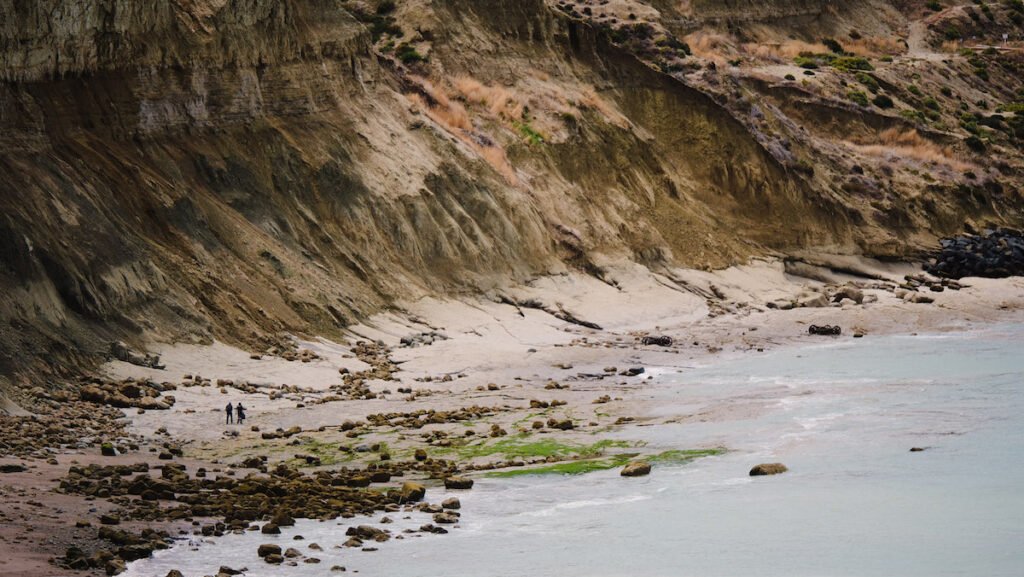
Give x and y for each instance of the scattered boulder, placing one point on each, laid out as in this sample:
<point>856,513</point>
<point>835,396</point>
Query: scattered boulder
<point>268,549</point>
<point>636,469</point>
<point>824,330</point>
<point>458,483</point>
<point>659,341</point>
<point>447,518</point>
<point>121,352</point>
<point>918,298</point>
<point>562,425</point>
<point>110,519</point>
<point>367,533</point>
<point>13,468</point>
<point>817,301</point>
<point>412,491</point>
<point>768,469</point>
<point>451,503</point>
<point>848,292</point>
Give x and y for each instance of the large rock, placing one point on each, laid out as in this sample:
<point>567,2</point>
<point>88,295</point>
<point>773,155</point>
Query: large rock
<point>460,483</point>
<point>848,292</point>
<point>768,469</point>
<point>636,469</point>
<point>411,491</point>
<point>816,301</point>
<point>268,549</point>
<point>447,518</point>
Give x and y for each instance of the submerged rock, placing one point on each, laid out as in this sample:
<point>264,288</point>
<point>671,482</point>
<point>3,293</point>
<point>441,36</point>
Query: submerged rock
<point>459,483</point>
<point>636,469</point>
<point>768,469</point>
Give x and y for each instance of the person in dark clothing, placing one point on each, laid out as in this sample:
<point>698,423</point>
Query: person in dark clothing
<point>228,409</point>
<point>241,413</point>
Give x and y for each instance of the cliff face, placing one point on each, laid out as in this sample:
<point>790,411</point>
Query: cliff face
<point>240,169</point>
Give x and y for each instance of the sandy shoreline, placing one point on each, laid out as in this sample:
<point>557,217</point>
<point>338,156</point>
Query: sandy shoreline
<point>499,353</point>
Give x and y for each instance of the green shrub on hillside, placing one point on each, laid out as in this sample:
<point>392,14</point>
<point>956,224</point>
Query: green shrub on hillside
<point>868,81</point>
<point>806,62</point>
<point>408,54</point>
<point>832,45</point>
<point>857,97</point>
<point>849,63</point>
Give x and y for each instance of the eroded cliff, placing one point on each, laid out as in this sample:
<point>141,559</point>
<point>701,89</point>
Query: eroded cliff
<point>244,169</point>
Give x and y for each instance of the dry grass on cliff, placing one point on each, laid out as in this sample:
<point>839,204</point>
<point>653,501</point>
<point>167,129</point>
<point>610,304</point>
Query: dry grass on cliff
<point>453,117</point>
<point>895,144</point>
<point>500,101</point>
<point>445,111</point>
<point>591,99</point>
<point>785,50</point>
<point>710,45</point>
<point>875,46</point>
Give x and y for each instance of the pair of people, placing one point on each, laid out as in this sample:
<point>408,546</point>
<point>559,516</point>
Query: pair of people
<point>231,411</point>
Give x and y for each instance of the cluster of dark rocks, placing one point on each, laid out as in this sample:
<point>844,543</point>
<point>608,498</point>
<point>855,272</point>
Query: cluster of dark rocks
<point>130,393</point>
<point>656,340</point>
<point>58,425</point>
<point>995,253</point>
<point>423,339</point>
<point>122,352</point>
<point>275,500</point>
<point>283,492</point>
<point>354,384</point>
<point>824,330</point>
<point>124,547</point>
<point>423,417</point>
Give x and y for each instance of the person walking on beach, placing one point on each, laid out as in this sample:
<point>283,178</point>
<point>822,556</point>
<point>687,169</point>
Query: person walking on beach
<point>241,414</point>
<point>228,409</point>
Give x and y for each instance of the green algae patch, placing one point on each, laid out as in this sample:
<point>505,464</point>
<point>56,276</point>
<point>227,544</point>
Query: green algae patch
<point>683,456</point>
<point>583,466</point>
<point>579,467</point>
<point>525,447</point>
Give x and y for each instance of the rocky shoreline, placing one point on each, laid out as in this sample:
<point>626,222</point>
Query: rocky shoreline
<point>124,462</point>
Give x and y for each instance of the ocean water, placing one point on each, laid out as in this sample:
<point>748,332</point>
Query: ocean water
<point>856,502</point>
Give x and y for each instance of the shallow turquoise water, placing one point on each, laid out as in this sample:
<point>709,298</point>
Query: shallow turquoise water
<point>856,502</point>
